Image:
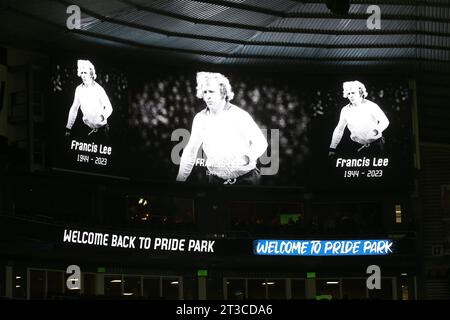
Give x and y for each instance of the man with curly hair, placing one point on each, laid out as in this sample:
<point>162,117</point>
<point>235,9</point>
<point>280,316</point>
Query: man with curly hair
<point>229,136</point>
<point>364,119</point>
<point>91,98</point>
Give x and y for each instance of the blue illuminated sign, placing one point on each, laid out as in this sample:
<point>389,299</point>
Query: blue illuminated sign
<point>322,247</point>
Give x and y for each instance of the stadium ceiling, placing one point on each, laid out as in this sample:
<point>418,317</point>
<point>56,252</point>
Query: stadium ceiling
<point>238,32</point>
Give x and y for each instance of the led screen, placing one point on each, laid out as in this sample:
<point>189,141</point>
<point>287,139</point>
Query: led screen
<point>231,128</point>
<point>261,137</point>
<point>89,103</point>
<point>361,134</point>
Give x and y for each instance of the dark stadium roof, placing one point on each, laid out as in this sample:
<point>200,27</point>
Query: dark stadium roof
<point>238,32</point>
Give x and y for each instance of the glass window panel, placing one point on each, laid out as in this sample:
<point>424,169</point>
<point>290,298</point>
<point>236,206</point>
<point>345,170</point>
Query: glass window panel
<point>235,289</point>
<point>19,283</point>
<point>160,212</point>
<point>37,284</point>
<point>298,289</point>
<point>113,286</point>
<point>354,288</point>
<point>2,280</point>
<point>277,289</point>
<point>406,285</point>
<point>184,211</point>
<point>132,286</point>
<point>344,218</point>
<point>151,288</point>
<point>170,288</point>
<point>328,287</point>
<point>190,287</point>
<point>54,284</point>
<point>214,288</point>
<point>266,217</point>
<point>405,292</point>
<point>256,288</point>
<point>88,284</point>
